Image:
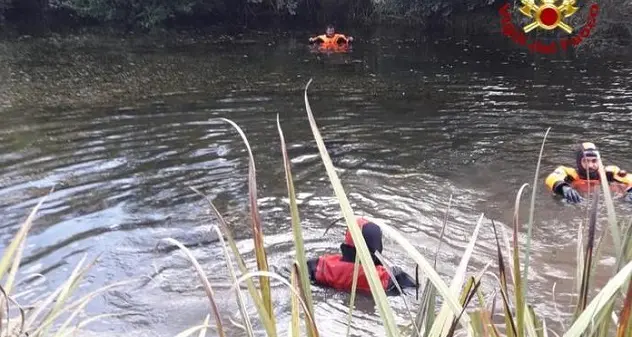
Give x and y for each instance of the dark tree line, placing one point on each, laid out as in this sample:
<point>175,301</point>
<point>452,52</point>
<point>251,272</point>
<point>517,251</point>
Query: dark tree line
<point>155,13</point>
<point>615,19</point>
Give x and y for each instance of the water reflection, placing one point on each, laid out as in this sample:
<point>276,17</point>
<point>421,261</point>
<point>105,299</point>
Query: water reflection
<point>124,132</point>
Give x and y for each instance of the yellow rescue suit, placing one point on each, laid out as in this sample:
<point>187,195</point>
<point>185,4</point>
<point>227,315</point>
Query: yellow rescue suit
<point>620,181</point>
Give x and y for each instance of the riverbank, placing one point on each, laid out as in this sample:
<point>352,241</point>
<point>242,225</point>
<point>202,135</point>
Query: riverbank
<point>106,67</point>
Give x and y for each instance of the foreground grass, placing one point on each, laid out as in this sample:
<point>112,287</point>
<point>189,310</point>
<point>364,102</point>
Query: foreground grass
<point>605,314</point>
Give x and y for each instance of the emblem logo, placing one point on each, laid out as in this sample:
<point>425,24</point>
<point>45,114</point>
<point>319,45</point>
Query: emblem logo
<point>548,16</point>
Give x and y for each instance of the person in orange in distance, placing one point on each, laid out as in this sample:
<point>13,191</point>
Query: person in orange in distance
<point>336,270</point>
<point>569,182</point>
<point>331,38</point>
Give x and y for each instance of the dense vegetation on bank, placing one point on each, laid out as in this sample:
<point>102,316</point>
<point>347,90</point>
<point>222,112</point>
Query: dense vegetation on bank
<point>615,20</point>
<point>152,13</point>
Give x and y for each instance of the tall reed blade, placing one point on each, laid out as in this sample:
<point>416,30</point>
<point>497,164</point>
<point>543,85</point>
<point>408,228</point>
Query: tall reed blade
<point>612,217</point>
<point>593,315</point>
<point>470,289</point>
<point>311,326</point>
<point>489,329</point>
<point>354,288</point>
<point>295,327</point>
<point>625,328</point>
<point>588,253</point>
<point>626,249</point>
<point>444,319</point>
<point>511,327</point>
<point>445,225</point>
<point>254,294</point>
<point>262,260</point>
<point>519,292</point>
<point>365,258</point>
<point>207,285</point>
<point>233,277</point>
<point>525,272</point>
<point>425,316</point>
<point>296,224</point>
<point>449,297</point>
<point>295,292</point>
<point>62,297</point>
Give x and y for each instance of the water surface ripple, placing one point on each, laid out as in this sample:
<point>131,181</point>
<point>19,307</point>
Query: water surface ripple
<point>407,131</point>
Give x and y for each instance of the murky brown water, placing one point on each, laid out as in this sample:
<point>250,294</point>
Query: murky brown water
<point>123,129</point>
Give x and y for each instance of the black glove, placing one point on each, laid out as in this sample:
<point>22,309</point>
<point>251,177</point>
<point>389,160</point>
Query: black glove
<point>403,279</point>
<point>571,194</point>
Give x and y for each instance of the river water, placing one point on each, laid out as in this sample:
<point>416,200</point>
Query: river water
<point>123,127</point>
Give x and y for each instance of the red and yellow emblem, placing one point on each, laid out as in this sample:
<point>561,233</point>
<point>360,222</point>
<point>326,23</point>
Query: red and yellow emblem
<point>547,15</point>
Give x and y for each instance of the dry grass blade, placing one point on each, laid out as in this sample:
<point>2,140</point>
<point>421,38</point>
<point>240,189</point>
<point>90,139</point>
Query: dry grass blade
<point>470,289</point>
<point>312,331</point>
<point>190,331</point>
<point>80,304</point>
<point>354,288</point>
<point>445,225</point>
<point>625,328</point>
<point>240,299</point>
<point>296,223</point>
<point>426,315</point>
<point>375,285</point>
<point>254,294</point>
<point>425,320</point>
<point>580,261</point>
<point>626,249</point>
<point>591,316</point>
<point>8,327</point>
<point>486,317</point>
<point>59,297</point>
<point>80,325</point>
<point>444,319</point>
<point>262,260</point>
<point>4,303</point>
<point>207,285</point>
<point>450,298</point>
<point>294,307</point>
<point>295,292</point>
<point>557,310</point>
<point>12,249</point>
<point>545,331</point>
<point>206,326</point>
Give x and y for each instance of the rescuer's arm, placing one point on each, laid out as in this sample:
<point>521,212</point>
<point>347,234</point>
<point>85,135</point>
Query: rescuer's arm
<point>558,182</point>
<point>614,173</point>
<point>341,38</point>
<point>316,38</point>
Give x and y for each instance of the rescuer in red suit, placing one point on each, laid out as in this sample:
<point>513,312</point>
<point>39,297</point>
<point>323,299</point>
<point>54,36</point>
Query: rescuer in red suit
<point>336,270</point>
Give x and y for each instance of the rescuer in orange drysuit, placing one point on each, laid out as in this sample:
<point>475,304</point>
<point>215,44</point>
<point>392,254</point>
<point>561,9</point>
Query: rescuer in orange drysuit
<point>336,270</point>
<point>331,38</point>
<point>569,182</point>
